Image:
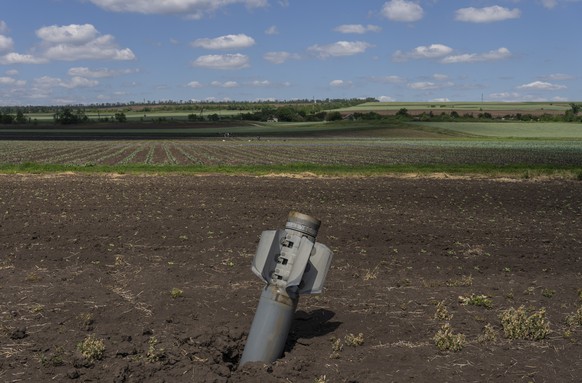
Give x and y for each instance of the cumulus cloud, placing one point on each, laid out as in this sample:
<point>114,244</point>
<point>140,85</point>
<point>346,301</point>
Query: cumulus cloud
<point>195,84</point>
<point>260,83</point>
<point>280,57</point>
<point>3,26</point>
<point>428,85</point>
<point>17,58</point>
<point>494,55</point>
<point>195,9</point>
<point>392,79</point>
<point>402,10</point>
<point>340,83</point>
<point>423,52</point>
<point>550,4</point>
<point>226,84</point>
<point>272,30</point>
<point>557,77</point>
<point>12,81</point>
<point>70,34</point>
<point>225,42</point>
<point>357,28</point>
<point>340,48</point>
<point>6,43</point>
<point>47,82</point>
<point>487,14</point>
<point>97,73</point>
<point>541,85</point>
<point>80,42</point>
<point>230,61</point>
<point>386,99</point>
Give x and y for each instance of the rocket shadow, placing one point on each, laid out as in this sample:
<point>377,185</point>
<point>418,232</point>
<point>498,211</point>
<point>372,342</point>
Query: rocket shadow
<point>307,325</point>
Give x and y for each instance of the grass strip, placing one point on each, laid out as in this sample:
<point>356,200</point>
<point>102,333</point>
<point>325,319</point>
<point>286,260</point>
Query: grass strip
<point>524,171</point>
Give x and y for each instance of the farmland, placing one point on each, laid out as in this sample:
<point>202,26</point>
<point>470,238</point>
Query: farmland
<point>345,152</point>
<point>128,259</point>
<point>96,259</point>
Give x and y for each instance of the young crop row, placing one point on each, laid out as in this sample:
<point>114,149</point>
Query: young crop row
<point>277,152</point>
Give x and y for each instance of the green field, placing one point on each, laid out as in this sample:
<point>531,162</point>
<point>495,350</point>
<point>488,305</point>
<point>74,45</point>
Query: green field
<point>557,130</point>
<point>343,147</point>
<point>460,107</point>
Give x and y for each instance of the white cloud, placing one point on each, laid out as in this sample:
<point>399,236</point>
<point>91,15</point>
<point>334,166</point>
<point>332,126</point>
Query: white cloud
<point>272,30</point>
<point>12,72</point>
<point>487,14</point>
<point>230,61</point>
<point>440,99</point>
<point>6,43</point>
<point>386,99</point>
<point>226,84</point>
<point>557,77</point>
<point>424,85</point>
<point>505,96</point>
<point>101,48</point>
<point>260,83</point>
<point>495,55</point>
<point>402,10</point>
<point>74,33</point>
<point>357,28</point>
<point>80,42</point>
<point>3,27</point>
<point>11,81</point>
<point>340,84</point>
<point>194,84</point>
<point>280,57</point>
<point>550,4</point>
<point>388,79</point>
<point>195,9</point>
<point>47,82</point>
<point>17,58</point>
<point>340,48</point>
<point>541,85</point>
<point>225,42</point>
<point>423,52</point>
<point>98,73</point>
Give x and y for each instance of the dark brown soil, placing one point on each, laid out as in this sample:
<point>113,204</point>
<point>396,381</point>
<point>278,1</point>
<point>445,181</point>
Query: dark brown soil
<point>92,255</point>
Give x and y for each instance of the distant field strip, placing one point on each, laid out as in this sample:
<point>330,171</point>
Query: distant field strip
<point>512,129</point>
<point>293,151</point>
<point>459,106</point>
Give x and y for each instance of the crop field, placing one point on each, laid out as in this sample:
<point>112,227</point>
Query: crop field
<point>462,107</point>
<point>346,152</point>
<point>128,260</point>
<point>547,130</point>
<point>133,278</point>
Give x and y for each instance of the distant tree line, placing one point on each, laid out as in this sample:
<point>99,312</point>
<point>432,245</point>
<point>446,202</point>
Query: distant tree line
<point>296,111</point>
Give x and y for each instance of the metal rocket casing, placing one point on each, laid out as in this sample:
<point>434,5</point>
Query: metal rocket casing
<point>288,260</point>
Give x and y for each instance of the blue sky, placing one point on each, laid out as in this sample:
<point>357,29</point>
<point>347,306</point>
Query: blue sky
<point>92,51</point>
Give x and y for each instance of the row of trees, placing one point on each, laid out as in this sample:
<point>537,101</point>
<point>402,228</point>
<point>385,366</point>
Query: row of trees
<point>301,112</point>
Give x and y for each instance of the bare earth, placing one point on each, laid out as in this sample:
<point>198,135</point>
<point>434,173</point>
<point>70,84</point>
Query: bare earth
<point>93,255</point>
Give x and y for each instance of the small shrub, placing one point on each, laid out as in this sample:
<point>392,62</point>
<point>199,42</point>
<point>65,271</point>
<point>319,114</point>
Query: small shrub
<point>575,319</point>
<point>548,293</point>
<point>336,348</point>
<point>153,354</point>
<point>477,300</point>
<point>441,312</point>
<point>354,340</point>
<point>176,293</point>
<point>92,348</point>
<point>464,281</point>
<point>518,324</point>
<point>489,334</point>
<point>446,340</point>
